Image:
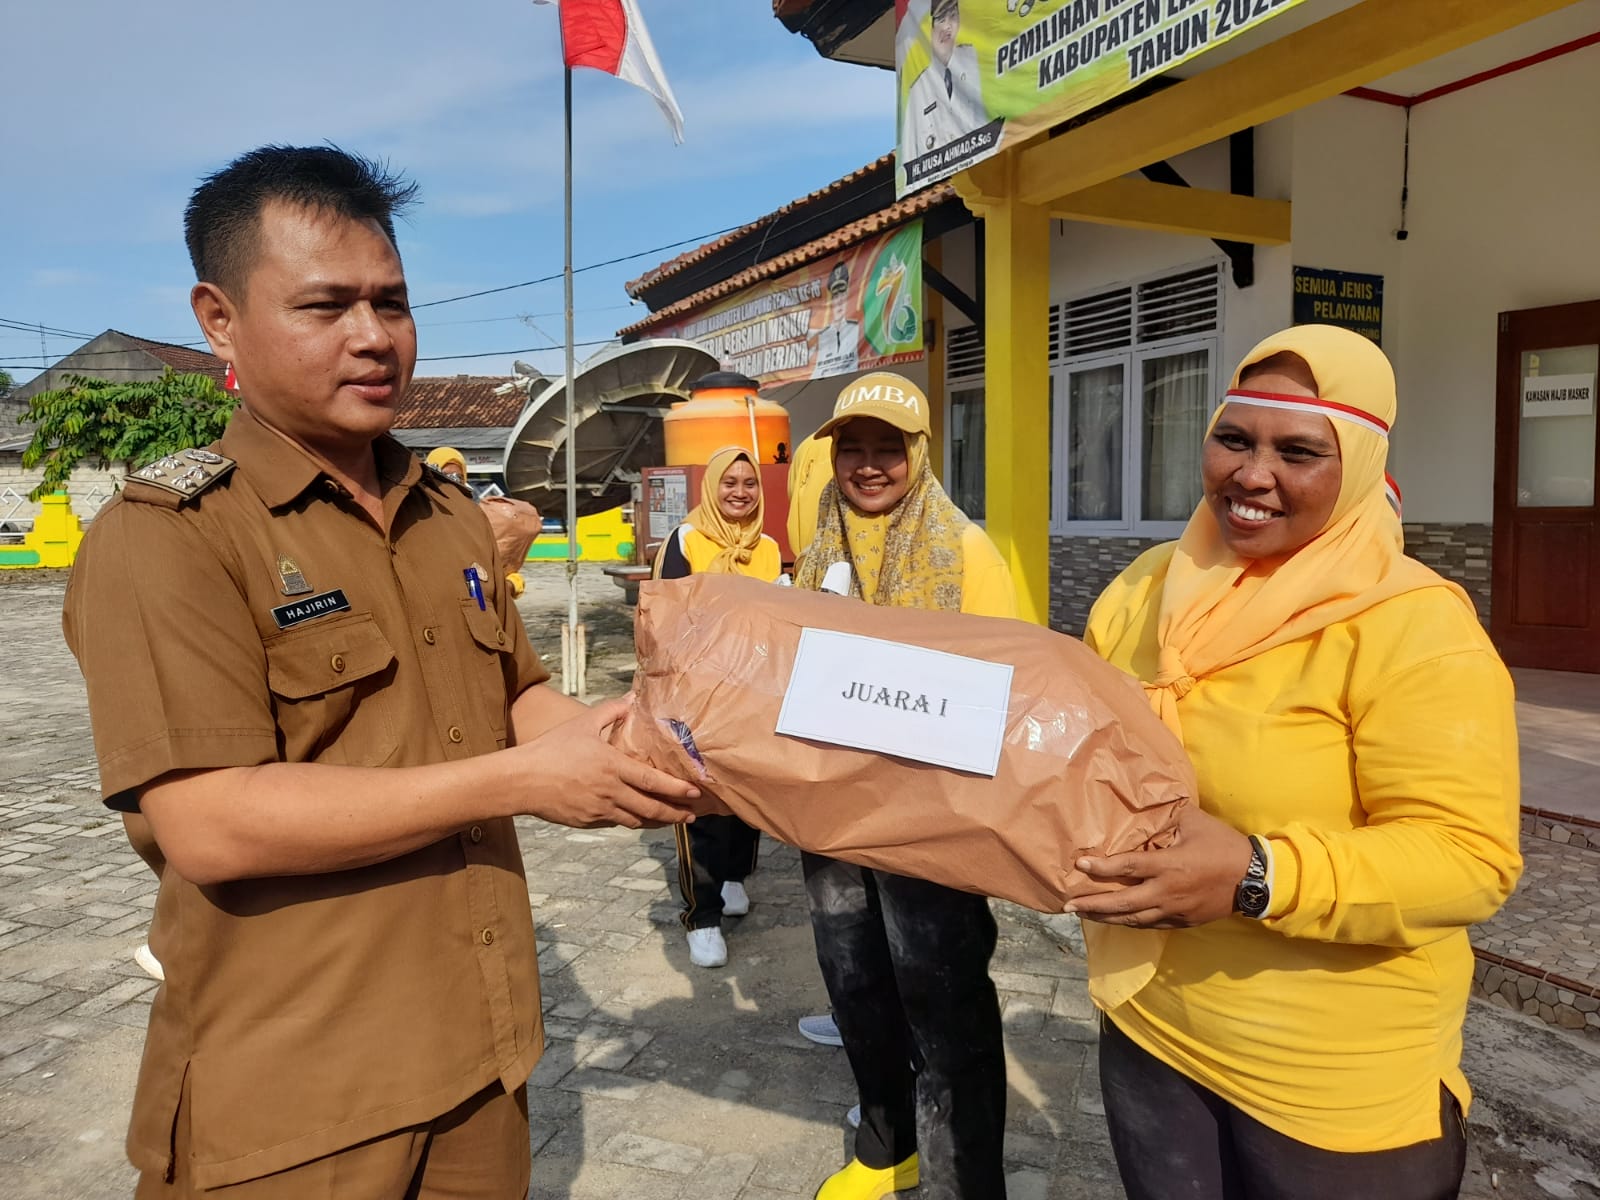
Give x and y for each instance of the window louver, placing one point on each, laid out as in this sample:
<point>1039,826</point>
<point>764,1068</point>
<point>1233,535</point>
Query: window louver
<point>963,354</point>
<point>1095,324</point>
<point>1183,305</point>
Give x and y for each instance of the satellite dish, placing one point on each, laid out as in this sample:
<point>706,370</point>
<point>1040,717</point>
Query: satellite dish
<point>620,397</point>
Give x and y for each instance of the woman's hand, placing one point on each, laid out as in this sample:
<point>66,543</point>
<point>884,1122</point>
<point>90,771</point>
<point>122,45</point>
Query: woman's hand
<point>1189,883</point>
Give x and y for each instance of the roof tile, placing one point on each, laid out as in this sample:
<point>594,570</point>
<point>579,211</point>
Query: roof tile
<point>885,218</point>
<point>459,402</point>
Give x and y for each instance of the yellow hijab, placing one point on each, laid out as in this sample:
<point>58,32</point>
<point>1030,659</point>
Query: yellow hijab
<point>738,539</point>
<point>807,478</point>
<point>1218,609</point>
<point>908,557</point>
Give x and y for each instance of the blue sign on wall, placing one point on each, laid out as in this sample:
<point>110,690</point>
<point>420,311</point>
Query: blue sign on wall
<point>1340,298</point>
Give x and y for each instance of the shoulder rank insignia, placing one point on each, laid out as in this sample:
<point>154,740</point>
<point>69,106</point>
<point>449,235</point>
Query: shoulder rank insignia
<point>429,471</point>
<point>175,478</point>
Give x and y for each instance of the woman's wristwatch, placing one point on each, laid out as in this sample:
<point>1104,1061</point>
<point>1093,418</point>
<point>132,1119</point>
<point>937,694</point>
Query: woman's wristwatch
<point>1253,896</point>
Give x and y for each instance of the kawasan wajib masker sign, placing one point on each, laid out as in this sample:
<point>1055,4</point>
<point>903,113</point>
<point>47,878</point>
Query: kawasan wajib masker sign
<point>976,76</point>
<point>856,310</point>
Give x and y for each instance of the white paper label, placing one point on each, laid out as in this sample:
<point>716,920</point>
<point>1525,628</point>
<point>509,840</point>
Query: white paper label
<point>836,579</point>
<point>888,697</point>
<point>1558,396</point>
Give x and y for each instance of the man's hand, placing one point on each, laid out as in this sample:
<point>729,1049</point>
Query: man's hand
<point>586,784</point>
<point>1189,883</point>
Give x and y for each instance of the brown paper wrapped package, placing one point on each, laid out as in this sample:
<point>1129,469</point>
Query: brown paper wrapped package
<point>515,524</point>
<point>1086,767</point>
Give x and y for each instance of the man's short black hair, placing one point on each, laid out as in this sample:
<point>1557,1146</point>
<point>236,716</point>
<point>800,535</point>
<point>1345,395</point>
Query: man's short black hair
<point>224,214</point>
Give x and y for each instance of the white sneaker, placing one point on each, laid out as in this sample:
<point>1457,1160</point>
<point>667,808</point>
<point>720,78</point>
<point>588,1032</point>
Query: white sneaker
<point>854,1117</point>
<point>735,900</point>
<point>822,1030</point>
<point>149,963</point>
<point>707,948</point>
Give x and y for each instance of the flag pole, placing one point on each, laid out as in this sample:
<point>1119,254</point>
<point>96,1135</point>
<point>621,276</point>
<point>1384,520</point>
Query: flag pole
<point>573,673</point>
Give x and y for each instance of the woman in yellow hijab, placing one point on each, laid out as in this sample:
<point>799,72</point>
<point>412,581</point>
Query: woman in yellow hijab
<point>906,962</point>
<point>721,535</point>
<point>1283,990</point>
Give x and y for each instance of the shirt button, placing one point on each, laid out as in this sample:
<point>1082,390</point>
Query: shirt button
<point>427,635</point>
<point>476,833</point>
<point>455,733</point>
<point>337,662</point>
<point>487,937</point>
<point>499,637</point>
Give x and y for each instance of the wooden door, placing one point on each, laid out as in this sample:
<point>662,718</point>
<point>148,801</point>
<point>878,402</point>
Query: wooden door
<point>1546,585</point>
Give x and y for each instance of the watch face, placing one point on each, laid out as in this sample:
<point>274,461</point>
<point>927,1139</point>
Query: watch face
<point>1253,898</point>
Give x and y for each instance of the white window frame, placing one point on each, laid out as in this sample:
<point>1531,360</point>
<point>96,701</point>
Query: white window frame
<point>1133,360</point>
<point>963,381</point>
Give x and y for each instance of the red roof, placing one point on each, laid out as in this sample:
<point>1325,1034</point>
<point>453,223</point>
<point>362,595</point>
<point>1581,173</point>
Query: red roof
<point>184,359</point>
<point>459,402</point>
<point>687,259</point>
<point>885,218</point>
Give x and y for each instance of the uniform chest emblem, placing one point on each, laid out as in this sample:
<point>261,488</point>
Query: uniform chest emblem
<point>294,580</point>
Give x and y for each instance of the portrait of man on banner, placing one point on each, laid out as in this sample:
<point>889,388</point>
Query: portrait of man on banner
<point>945,99</point>
<point>839,342</point>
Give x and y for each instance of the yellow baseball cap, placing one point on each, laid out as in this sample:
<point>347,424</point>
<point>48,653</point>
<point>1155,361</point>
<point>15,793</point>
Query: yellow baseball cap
<point>445,457</point>
<point>884,395</point>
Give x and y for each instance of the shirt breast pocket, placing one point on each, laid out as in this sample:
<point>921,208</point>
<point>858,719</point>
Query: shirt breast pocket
<point>491,668</point>
<point>328,683</point>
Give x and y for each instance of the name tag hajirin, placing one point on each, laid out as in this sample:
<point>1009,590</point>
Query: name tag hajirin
<point>289,615</point>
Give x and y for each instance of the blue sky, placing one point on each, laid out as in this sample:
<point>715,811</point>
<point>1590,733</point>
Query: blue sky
<point>117,109</point>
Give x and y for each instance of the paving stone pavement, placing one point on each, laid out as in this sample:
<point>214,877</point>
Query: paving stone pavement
<point>660,1080</point>
<point>1553,924</point>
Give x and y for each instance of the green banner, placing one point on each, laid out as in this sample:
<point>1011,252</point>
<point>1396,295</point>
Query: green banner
<point>858,309</point>
<point>978,75</point>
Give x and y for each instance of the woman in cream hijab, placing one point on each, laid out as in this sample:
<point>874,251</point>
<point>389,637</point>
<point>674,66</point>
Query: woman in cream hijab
<point>1283,989</point>
<point>721,535</point>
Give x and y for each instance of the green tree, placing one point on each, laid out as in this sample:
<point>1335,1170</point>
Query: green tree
<point>6,384</point>
<point>91,420</point>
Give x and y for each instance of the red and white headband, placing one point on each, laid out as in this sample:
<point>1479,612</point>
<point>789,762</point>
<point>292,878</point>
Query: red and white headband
<point>1310,404</point>
<point>1391,492</point>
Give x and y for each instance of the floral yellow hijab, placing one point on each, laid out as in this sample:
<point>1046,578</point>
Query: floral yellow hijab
<point>908,557</point>
<point>738,539</point>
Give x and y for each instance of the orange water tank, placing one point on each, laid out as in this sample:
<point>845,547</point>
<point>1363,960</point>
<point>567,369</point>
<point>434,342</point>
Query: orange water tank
<point>719,412</point>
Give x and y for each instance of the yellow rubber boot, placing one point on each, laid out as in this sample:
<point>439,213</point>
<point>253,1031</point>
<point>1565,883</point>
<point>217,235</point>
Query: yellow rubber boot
<point>861,1182</point>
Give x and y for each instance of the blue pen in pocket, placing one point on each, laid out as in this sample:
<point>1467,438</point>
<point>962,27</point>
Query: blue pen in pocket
<point>474,586</point>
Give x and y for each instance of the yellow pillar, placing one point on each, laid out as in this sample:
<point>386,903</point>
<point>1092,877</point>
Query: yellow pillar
<point>1017,378</point>
<point>933,323</point>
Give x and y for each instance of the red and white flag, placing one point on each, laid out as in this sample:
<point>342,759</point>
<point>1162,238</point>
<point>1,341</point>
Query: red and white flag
<point>609,35</point>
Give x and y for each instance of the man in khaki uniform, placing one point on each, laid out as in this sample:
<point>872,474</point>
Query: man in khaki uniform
<point>306,674</point>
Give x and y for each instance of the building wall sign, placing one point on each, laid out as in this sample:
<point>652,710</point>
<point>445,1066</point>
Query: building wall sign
<point>857,310</point>
<point>1558,396</point>
<point>975,76</point>
<point>1340,298</point>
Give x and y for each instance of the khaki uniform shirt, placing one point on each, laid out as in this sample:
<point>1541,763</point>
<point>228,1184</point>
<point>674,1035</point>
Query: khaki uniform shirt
<point>312,1012</point>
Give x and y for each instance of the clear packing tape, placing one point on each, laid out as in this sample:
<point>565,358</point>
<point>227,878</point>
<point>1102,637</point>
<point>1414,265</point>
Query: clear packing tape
<point>1086,767</point>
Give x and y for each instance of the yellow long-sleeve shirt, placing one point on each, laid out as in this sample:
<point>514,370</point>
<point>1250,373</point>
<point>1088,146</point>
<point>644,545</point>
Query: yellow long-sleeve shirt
<point>1378,758</point>
<point>986,585</point>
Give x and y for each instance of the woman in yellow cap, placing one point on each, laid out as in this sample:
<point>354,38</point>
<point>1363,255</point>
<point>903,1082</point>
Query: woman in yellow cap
<point>906,961</point>
<point>721,535</point>
<point>1283,990</point>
